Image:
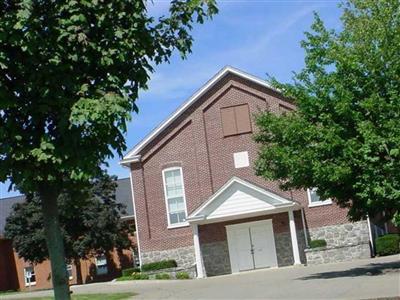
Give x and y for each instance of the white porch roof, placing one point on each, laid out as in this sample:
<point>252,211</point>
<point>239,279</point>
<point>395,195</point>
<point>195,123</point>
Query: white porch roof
<point>238,199</point>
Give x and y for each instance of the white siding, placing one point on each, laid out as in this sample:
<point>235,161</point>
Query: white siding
<point>237,200</point>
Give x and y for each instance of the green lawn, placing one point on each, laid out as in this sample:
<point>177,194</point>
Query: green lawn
<point>116,296</point>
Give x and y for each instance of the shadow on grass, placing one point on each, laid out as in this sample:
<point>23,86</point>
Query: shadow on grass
<point>373,269</point>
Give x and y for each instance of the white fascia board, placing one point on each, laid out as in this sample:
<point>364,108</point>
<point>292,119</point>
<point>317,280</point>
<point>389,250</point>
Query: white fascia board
<point>209,84</point>
<point>264,212</point>
<point>128,161</point>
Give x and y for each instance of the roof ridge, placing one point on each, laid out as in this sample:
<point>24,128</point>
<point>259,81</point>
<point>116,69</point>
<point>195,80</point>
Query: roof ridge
<point>133,155</point>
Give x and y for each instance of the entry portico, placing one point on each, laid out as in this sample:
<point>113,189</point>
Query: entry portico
<point>242,221</point>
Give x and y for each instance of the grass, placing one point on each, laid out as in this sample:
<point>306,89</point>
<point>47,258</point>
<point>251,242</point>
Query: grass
<point>116,296</point>
<point>4,293</point>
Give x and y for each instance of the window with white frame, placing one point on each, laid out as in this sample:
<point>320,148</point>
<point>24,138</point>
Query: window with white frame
<point>174,196</point>
<point>29,275</point>
<point>69,270</point>
<point>101,265</point>
<point>315,200</point>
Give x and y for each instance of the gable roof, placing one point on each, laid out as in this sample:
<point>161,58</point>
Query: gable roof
<point>123,195</point>
<point>6,205</point>
<point>239,197</point>
<point>134,154</point>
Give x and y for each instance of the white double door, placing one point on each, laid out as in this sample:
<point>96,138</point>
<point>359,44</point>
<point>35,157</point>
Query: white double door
<point>251,245</point>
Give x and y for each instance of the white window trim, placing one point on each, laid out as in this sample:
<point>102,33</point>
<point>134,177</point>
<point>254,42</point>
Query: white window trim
<point>72,275</point>
<point>97,265</point>
<point>176,225</point>
<point>319,203</point>
<point>25,278</point>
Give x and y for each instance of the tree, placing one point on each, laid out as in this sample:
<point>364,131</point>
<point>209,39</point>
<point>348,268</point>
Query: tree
<point>70,74</point>
<point>344,136</point>
<point>89,219</point>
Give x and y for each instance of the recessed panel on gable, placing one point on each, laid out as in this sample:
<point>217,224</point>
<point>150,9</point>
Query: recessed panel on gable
<point>239,200</point>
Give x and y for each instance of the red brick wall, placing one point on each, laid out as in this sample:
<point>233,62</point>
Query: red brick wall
<point>13,276</point>
<point>195,141</point>
<point>216,232</point>
<point>8,272</point>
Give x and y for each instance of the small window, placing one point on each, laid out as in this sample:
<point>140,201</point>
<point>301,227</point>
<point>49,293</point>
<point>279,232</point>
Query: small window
<point>101,265</point>
<point>235,120</point>
<point>29,275</point>
<point>315,200</point>
<point>174,196</point>
<point>69,270</point>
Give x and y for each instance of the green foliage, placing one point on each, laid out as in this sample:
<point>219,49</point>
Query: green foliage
<point>159,265</point>
<point>130,271</point>
<point>344,136</point>
<point>70,74</point>
<point>90,222</point>
<point>139,276</point>
<point>134,276</point>
<point>163,276</point>
<point>387,244</point>
<point>182,275</point>
<point>317,243</point>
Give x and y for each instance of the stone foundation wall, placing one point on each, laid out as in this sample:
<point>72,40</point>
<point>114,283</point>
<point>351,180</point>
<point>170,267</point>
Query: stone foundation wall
<point>184,257</point>
<point>284,251</point>
<point>345,242</point>
<point>337,254</point>
<point>216,258</point>
<point>342,235</point>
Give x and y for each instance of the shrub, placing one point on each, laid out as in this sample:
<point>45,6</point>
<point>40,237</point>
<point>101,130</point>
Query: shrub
<point>182,275</point>
<point>139,276</point>
<point>130,271</point>
<point>134,276</point>
<point>159,265</point>
<point>317,243</point>
<point>163,276</point>
<point>387,244</point>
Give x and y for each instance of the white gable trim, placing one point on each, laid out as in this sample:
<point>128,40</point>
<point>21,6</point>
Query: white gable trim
<point>200,215</point>
<point>133,155</point>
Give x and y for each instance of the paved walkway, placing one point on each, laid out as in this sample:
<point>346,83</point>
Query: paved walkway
<point>363,279</point>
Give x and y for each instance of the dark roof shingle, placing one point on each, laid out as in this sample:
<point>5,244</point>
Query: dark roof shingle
<point>6,205</point>
<point>123,194</point>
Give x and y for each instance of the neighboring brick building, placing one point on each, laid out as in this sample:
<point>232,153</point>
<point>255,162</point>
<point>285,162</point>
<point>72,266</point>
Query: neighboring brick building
<point>198,201</point>
<point>14,271</point>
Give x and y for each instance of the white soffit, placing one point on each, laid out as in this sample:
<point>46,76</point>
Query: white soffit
<point>133,155</point>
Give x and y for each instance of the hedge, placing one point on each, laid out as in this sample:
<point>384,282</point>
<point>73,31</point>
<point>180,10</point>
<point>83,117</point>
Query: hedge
<point>182,275</point>
<point>130,271</point>
<point>163,276</point>
<point>134,276</point>
<point>387,244</point>
<point>317,243</point>
<point>159,265</point>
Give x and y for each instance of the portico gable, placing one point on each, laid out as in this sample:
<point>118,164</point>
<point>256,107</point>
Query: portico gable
<point>240,199</point>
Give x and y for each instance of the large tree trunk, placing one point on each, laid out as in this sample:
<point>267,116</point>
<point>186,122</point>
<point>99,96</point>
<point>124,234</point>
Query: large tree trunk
<point>55,243</point>
<point>78,266</point>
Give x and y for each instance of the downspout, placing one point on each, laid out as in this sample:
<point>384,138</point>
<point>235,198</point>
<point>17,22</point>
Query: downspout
<point>304,226</point>
<point>136,222</point>
<point>303,220</point>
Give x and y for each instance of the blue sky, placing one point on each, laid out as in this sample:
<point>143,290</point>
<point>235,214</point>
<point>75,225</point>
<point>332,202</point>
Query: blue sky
<point>257,36</point>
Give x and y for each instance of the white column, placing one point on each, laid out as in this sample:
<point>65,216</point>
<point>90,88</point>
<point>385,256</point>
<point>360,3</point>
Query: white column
<point>371,240</point>
<point>197,251</point>
<point>293,235</point>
